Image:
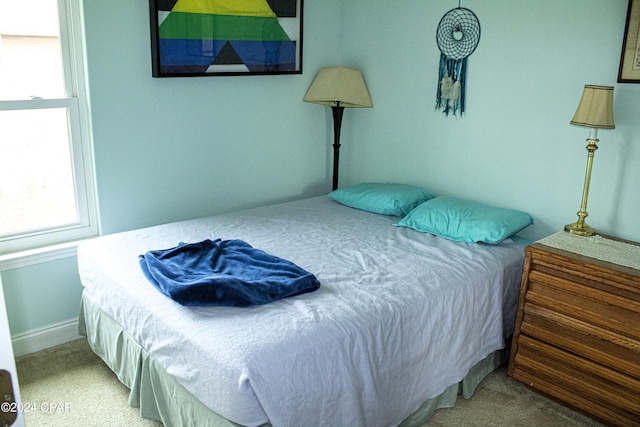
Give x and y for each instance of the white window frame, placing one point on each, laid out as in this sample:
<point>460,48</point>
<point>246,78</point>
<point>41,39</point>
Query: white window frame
<point>77,107</point>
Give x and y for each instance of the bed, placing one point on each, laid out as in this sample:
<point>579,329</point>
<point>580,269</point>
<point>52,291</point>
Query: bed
<point>403,322</point>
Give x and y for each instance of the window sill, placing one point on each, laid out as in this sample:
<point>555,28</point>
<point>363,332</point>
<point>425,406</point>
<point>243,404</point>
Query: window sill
<point>38,255</point>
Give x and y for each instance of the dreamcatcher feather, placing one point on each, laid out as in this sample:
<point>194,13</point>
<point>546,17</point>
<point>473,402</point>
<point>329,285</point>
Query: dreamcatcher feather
<point>458,36</point>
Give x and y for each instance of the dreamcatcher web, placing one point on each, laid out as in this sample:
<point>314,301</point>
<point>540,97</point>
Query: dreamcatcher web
<point>457,36</point>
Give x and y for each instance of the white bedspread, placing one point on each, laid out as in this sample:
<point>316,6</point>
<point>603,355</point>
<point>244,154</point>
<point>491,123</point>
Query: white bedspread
<point>399,316</point>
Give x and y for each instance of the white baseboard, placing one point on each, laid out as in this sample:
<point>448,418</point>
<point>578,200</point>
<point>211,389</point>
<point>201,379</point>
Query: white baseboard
<point>40,339</point>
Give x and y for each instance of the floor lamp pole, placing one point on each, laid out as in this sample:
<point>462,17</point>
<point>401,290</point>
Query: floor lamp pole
<point>338,111</point>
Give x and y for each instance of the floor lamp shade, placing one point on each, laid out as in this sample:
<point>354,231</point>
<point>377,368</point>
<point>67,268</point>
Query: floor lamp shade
<point>338,88</point>
<point>341,86</point>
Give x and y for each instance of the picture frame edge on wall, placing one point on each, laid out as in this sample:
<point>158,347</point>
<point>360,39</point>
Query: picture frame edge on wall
<point>629,69</point>
<point>260,43</point>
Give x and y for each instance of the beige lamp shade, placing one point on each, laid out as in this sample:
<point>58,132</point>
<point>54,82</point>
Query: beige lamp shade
<point>596,108</point>
<point>341,86</point>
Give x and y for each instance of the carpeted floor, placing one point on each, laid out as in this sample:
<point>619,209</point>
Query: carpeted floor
<point>68,385</point>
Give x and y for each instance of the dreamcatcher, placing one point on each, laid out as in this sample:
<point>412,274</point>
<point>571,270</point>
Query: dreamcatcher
<point>457,36</point>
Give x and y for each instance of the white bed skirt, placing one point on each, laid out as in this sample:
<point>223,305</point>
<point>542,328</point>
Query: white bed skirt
<point>160,397</point>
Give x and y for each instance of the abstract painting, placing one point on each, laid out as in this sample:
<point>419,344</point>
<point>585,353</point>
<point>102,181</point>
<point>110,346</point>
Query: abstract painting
<point>225,37</point>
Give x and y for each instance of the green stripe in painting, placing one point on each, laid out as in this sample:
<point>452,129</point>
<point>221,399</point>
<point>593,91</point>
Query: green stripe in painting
<point>200,26</point>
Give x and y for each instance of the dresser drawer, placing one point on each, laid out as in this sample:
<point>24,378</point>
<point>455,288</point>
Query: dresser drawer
<point>614,350</point>
<point>586,385</point>
<point>583,302</point>
<point>614,281</point>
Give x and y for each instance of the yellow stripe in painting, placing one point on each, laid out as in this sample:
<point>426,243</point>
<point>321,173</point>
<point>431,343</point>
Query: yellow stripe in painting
<point>225,7</point>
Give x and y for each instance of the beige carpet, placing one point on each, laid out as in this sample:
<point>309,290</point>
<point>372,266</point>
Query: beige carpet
<point>69,386</point>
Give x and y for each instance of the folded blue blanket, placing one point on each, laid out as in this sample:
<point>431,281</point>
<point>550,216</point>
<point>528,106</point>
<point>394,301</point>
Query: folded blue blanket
<point>224,272</point>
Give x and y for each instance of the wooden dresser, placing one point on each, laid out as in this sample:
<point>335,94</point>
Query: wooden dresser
<point>577,332</point>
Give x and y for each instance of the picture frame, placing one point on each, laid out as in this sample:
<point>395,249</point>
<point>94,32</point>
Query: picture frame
<point>227,37</point>
<point>629,71</point>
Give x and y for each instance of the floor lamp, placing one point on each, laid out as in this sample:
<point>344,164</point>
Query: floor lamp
<point>339,88</point>
<point>595,111</point>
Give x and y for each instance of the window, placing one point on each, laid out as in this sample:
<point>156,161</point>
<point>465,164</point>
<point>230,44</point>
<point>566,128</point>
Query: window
<point>46,175</point>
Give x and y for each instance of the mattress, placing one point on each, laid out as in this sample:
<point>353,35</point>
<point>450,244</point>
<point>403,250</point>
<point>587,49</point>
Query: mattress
<point>400,315</point>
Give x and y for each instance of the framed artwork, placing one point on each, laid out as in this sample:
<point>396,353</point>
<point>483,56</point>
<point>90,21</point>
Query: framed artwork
<point>225,37</point>
<point>630,58</point>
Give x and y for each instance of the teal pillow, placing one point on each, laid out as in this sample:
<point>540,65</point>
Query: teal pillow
<point>386,199</point>
<point>465,221</point>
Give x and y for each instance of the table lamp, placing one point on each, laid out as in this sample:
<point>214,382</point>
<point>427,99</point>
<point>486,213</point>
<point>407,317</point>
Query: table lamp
<point>595,111</point>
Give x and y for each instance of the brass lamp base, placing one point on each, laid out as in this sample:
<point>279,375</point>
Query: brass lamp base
<point>580,229</point>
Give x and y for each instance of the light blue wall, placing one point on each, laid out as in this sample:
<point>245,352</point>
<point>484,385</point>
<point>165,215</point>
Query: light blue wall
<point>515,147</point>
<point>41,295</point>
<point>171,149</point>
